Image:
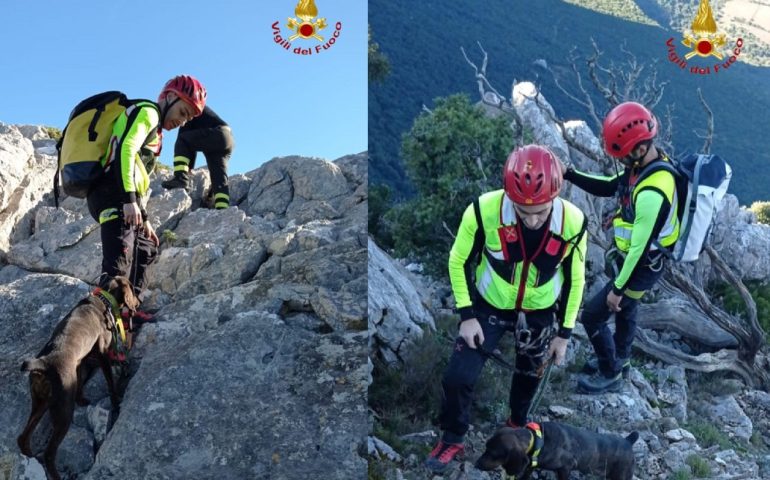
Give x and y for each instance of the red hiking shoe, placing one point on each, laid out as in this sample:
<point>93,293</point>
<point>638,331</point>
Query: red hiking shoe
<point>444,453</point>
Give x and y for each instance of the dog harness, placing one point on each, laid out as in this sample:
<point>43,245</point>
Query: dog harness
<point>118,347</point>
<point>535,445</point>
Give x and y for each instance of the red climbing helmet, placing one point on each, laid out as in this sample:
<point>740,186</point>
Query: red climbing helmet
<point>625,126</point>
<point>189,89</point>
<point>532,175</point>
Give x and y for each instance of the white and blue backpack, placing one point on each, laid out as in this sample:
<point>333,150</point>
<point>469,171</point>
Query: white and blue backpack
<point>701,184</point>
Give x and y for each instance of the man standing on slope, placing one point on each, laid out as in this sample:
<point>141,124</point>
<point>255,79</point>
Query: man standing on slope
<point>529,246</point>
<point>644,224</point>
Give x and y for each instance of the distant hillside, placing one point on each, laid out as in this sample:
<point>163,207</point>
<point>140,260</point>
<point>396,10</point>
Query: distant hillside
<point>749,19</point>
<point>423,40</point>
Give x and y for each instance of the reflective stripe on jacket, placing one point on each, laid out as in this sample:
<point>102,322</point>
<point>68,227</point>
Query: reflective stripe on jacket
<point>504,277</point>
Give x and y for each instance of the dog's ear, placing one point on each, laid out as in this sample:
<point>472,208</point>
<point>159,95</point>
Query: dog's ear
<point>124,294</point>
<point>110,284</point>
<point>516,443</point>
<point>516,463</point>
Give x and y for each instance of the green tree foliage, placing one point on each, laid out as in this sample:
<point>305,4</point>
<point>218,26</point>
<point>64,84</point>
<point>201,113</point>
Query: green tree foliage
<point>380,201</point>
<point>379,67</point>
<point>762,211</point>
<point>453,154</point>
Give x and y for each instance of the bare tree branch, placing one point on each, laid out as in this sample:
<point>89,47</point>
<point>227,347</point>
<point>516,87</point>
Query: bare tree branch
<point>665,134</point>
<point>610,93</point>
<point>490,96</point>
<point>449,230</point>
<point>710,115</point>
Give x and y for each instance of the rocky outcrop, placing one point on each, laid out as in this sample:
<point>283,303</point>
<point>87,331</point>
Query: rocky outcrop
<point>396,311</point>
<point>257,364</point>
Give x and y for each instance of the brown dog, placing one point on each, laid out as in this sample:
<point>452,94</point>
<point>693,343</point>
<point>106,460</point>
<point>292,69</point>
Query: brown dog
<point>57,374</point>
<point>565,448</point>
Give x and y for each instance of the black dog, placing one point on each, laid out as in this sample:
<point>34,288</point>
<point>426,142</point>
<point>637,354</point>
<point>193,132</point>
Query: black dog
<point>564,448</point>
<point>57,375</point>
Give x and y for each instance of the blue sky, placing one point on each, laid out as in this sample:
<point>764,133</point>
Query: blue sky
<point>278,103</point>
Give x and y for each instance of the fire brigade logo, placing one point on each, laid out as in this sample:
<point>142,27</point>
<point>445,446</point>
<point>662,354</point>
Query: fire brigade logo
<point>305,28</point>
<point>306,25</point>
<point>705,41</point>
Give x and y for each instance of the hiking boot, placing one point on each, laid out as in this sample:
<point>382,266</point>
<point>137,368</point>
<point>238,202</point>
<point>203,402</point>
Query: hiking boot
<point>444,453</point>
<point>592,366</point>
<point>599,383</point>
<point>179,180</point>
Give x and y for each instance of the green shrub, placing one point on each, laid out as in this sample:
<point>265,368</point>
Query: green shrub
<point>380,201</point>
<point>700,467</point>
<point>681,474</point>
<point>707,434</point>
<point>169,237</point>
<point>732,302</point>
<point>53,132</point>
<point>406,398</point>
<point>762,211</point>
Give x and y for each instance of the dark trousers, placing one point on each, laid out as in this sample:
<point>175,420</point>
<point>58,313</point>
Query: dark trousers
<point>217,145</point>
<point>596,314</point>
<point>126,250</point>
<point>465,367</point>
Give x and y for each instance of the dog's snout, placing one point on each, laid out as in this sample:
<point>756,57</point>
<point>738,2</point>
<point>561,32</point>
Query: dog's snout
<point>485,463</point>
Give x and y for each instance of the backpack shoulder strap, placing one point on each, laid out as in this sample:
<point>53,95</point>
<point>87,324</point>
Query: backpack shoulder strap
<point>479,226</point>
<point>657,166</point>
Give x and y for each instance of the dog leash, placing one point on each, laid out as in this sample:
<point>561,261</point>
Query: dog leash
<point>496,357</point>
<point>543,373</point>
<point>541,386</point>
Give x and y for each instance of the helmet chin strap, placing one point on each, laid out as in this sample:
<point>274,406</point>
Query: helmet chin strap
<point>164,110</point>
<point>630,161</point>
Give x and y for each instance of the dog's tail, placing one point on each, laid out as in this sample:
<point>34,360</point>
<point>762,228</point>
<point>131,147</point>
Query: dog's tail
<point>33,364</point>
<point>632,437</point>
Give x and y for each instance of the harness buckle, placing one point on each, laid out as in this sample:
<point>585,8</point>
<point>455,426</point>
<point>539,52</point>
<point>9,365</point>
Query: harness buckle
<point>524,337</point>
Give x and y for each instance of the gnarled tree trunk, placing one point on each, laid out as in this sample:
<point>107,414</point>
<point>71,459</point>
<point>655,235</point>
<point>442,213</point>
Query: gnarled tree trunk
<point>743,359</point>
